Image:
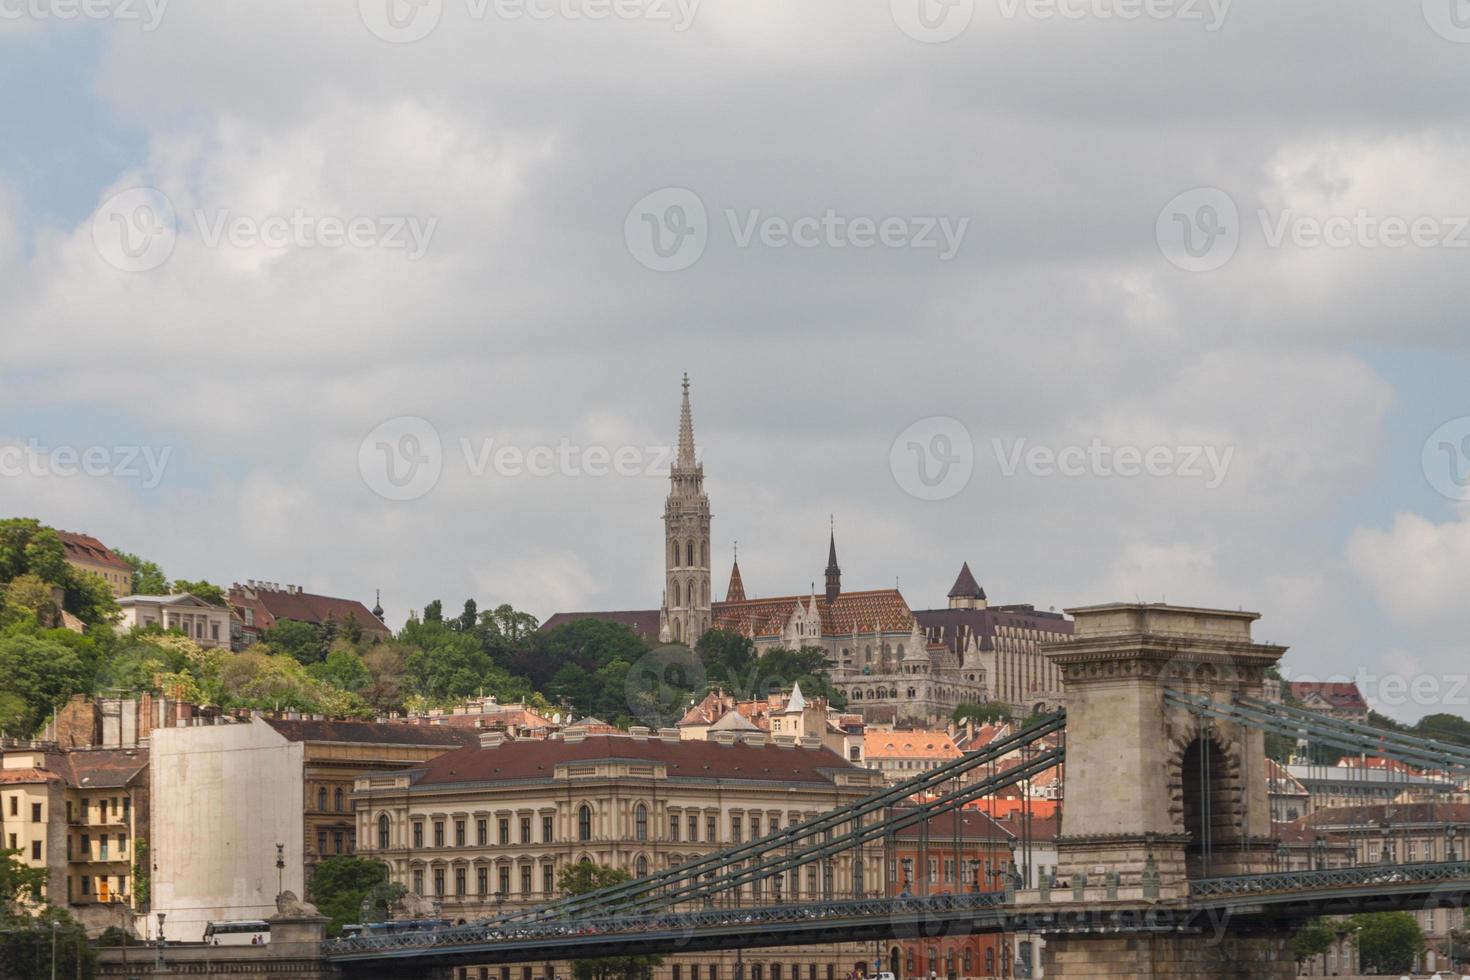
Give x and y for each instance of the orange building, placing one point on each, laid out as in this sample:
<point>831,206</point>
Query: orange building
<point>951,853</point>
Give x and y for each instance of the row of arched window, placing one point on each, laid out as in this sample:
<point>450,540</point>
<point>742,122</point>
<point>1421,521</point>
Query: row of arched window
<point>689,555</point>
<point>692,592</point>
<point>338,799</point>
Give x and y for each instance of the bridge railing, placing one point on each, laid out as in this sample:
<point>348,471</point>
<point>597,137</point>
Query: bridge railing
<point>746,918</point>
<point>1319,880</point>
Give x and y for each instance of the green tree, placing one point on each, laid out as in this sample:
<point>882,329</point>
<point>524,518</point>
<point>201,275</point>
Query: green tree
<point>434,612</point>
<point>468,619</point>
<point>1311,940</point>
<point>207,591</point>
<point>508,625</point>
<point>339,885</point>
<point>585,877</point>
<point>300,641</point>
<point>148,578</point>
<point>29,595</point>
<point>43,669</point>
<point>1388,942</point>
<point>384,663</point>
<point>728,658</point>
<point>20,885</point>
<point>343,669</point>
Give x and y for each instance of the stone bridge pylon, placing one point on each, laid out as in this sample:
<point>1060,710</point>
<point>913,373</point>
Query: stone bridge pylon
<point>1156,796</point>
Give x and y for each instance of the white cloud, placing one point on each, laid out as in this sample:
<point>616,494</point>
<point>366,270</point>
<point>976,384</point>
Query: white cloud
<point>1417,568</point>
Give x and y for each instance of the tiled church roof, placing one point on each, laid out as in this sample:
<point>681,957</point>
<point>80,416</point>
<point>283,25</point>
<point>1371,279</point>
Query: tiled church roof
<point>850,612</point>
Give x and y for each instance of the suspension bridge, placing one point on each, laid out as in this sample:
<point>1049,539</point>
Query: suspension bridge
<point>1167,861</point>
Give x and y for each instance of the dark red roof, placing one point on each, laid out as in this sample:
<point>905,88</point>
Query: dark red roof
<point>1338,695</point>
<point>1395,813</point>
<point>84,547</point>
<point>271,605</point>
<point>965,587</point>
<point>372,732</point>
<point>849,612</point>
<point>736,590</point>
<point>644,622</point>
<point>953,627</point>
<point>100,768</point>
<point>538,759</point>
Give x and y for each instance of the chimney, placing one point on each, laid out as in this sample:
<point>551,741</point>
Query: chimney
<point>640,733</point>
<point>491,740</point>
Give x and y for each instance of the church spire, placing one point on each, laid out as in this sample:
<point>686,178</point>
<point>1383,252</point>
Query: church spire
<point>686,429</point>
<point>834,574</point>
<point>736,591</point>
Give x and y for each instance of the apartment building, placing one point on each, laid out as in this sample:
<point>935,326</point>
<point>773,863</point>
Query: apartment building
<point>489,827</point>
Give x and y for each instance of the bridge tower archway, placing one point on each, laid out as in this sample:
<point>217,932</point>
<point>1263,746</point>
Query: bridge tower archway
<point>1151,787</point>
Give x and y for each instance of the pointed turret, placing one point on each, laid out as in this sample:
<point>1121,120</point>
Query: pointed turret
<point>736,591</point>
<point>834,573</point>
<point>686,430</point>
<point>966,593</point>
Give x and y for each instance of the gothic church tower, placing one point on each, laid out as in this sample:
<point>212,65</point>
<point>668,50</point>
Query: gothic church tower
<point>685,616</point>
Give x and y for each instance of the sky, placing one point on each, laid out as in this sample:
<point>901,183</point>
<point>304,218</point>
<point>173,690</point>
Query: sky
<point>1155,300</point>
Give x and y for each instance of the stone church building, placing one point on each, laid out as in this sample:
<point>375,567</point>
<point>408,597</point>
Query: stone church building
<point>894,664</point>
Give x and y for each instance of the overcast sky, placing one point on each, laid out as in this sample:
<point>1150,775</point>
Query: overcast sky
<point>948,273</point>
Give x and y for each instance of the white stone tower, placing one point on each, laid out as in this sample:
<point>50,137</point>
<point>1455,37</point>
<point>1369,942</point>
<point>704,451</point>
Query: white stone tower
<point>686,611</point>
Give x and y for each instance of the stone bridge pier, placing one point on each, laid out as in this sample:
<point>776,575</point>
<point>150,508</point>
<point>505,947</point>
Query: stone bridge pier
<point>1156,796</point>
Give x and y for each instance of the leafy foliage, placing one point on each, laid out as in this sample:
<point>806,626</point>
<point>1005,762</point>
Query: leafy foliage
<point>1388,942</point>
<point>983,714</point>
<point>584,877</point>
<point>1313,939</point>
<point>340,885</point>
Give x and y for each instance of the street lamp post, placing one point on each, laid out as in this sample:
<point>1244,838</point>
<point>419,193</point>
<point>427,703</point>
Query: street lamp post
<point>158,956</point>
<point>55,928</point>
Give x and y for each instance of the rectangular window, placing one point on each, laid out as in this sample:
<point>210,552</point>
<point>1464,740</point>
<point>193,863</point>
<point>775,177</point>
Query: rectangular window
<point>711,828</point>
<point>525,879</point>
<point>755,827</point>
<point>459,833</point>
<point>674,827</point>
<point>36,850</point>
<point>122,843</point>
<point>438,882</point>
<point>418,837</point>
<point>678,974</point>
<point>15,806</point>
<point>736,830</point>
<point>35,813</point>
<point>693,971</point>
<point>102,848</point>
<point>504,828</point>
<point>418,881</point>
<point>504,881</point>
<point>336,842</point>
<point>86,885</point>
<point>459,876</point>
<point>127,802</point>
<point>548,879</point>
<point>438,833</point>
<point>482,880</point>
<point>548,830</point>
<point>693,827</point>
<point>321,843</point>
<point>482,832</point>
<point>525,830</point>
